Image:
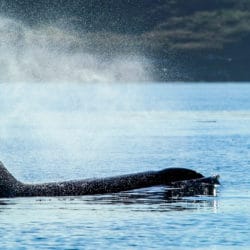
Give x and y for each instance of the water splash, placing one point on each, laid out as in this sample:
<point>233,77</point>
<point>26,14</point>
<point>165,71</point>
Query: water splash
<point>54,54</point>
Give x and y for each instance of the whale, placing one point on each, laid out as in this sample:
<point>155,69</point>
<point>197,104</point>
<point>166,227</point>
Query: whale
<point>176,177</point>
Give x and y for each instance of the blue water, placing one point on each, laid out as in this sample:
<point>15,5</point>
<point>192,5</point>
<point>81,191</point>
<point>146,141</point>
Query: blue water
<point>51,132</point>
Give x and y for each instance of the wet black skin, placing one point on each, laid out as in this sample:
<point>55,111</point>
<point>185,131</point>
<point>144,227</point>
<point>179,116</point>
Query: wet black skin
<point>10,187</point>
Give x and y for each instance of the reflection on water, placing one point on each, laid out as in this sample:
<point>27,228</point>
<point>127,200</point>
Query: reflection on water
<point>155,199</point>
<point>160,200</point>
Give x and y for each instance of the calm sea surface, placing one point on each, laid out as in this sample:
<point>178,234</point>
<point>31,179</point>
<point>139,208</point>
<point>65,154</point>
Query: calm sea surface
<point>52,132</point>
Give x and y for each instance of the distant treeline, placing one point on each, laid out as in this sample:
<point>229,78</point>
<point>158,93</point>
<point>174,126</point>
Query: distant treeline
<point>125,16</point>
<point>210,36</point>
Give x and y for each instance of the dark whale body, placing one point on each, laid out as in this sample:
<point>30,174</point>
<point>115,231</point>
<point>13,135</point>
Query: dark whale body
<point>10,187</point>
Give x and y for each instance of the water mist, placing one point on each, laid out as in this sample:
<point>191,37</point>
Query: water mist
<point>53,54</point>
<point>71,122</point>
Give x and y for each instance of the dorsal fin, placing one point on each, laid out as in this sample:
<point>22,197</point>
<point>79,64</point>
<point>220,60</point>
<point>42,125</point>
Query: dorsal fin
<point>8,183</point>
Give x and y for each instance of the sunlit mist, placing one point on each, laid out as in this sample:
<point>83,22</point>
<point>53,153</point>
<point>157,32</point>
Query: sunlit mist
<point>54,54</point>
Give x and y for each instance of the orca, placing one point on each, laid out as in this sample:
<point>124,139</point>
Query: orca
<point>11,187</point>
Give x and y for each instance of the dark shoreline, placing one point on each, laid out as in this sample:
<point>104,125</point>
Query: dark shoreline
<point>200,69</point>
<point>184,40</point>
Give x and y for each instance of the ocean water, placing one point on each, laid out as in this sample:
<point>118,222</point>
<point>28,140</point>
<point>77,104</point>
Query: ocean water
<point>52,132</point>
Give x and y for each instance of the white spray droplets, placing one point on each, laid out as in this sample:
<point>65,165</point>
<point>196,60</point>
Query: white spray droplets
<point>53,54</point>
